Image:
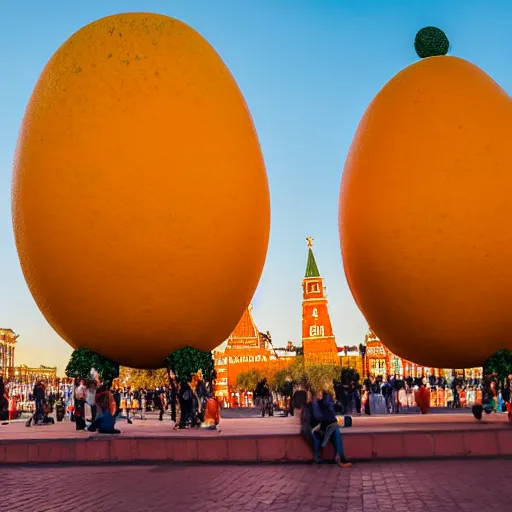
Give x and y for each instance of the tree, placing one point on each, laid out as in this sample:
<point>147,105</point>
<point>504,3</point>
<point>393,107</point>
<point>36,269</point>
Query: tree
<point>349,375</point>
<point>144,379</point>
<point>500,364</point>
<point>322,375</point>
<point>297,369</point>
<point>282,382</point>
<point>187,361</point>
<point>316,375</point>
<point>83,360</point>
<point>247,381</point>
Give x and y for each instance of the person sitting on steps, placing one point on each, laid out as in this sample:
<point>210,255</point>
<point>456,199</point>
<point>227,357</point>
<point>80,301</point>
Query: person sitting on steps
<point>319,426</point>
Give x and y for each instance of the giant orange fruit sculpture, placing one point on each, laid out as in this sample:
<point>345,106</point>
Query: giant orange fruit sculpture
<point>425,211</point>
<point>141,206</point>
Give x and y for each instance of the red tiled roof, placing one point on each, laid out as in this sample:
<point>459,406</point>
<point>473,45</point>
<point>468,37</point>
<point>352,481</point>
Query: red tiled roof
<point>246,328</point>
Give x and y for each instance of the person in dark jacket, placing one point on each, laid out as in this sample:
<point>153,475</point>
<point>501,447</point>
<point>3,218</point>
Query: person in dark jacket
<point>186,397</point>
<point>4,403</point>
<point>158,402</point>
<point>319,418</point>
<point>299,400</point>
<point>173,396</point>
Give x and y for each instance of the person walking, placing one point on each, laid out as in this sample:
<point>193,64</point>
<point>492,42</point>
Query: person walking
<point>142,404</point>
<point>159,401</point>
<point>299,400</point>
<point>186,399</point>
<point>173,396</point>
<point>4,403</point>
<point>38,394</point>
<point>126,403</point>
<point>90,398</point>
<point>79,412</point>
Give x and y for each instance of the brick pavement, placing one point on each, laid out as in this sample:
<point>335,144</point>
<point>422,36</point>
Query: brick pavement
<point>465,486</point>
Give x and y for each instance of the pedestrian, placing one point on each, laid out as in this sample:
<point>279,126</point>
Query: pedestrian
<point>159,402</point>
<point>142,404</point>
<point>90,397</point>
<point>126,403</point>
<point>173,396</point>
<point>186,405</point>
<point>117,400</point>
<point>79,411</point>
<point>4,403</point>
<point>38,394</point>
<point>299,400</point>
<point>106,419</point>
<point>212,413</point>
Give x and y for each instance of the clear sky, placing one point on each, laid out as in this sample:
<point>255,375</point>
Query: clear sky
<point>308,69</point>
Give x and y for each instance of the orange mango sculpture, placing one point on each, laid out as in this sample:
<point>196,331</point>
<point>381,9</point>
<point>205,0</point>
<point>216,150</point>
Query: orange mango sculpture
<point>425,212</point>
<point>141,206</point>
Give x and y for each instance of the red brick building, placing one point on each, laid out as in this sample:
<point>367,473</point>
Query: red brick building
<point>246,349</point>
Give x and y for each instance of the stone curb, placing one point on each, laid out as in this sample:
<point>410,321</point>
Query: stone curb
<point>360,446</point>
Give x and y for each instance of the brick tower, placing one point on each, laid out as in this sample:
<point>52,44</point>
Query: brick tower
<point>318,339</point>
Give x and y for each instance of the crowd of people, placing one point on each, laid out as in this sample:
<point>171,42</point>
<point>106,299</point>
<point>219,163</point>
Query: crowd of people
<point>392,394</point>
<point>94,405</point>
<point>321,412</point>
<point>381,395</point>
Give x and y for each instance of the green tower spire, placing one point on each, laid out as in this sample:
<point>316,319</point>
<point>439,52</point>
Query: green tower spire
<point>311,266</point>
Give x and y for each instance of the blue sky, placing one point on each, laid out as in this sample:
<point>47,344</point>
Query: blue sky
<point>307,69</point>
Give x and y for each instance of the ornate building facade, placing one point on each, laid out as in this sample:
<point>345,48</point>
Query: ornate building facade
<point>318,339</point>
<point>8,340</point>
<point>246,349</point>
<point>23,373</point>
<point>378,360</point>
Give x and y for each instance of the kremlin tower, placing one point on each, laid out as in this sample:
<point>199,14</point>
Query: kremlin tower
<point>317,337</point>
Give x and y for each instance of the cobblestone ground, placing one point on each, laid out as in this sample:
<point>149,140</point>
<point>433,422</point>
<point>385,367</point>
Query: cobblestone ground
<point>464,486</point>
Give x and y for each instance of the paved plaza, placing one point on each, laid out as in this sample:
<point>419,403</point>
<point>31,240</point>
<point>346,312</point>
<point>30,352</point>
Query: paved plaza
<point>437,486</point>
<point>260,426</point>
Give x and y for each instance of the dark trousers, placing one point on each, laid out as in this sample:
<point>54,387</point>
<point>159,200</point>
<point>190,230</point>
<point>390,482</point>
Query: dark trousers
<point>80,414</point>
<point>173,410</point>
<point>38,415</point>
<point>367,406</point>
<point>357,400</point>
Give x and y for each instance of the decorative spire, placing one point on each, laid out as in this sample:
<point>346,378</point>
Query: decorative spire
<point>311,266</point>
